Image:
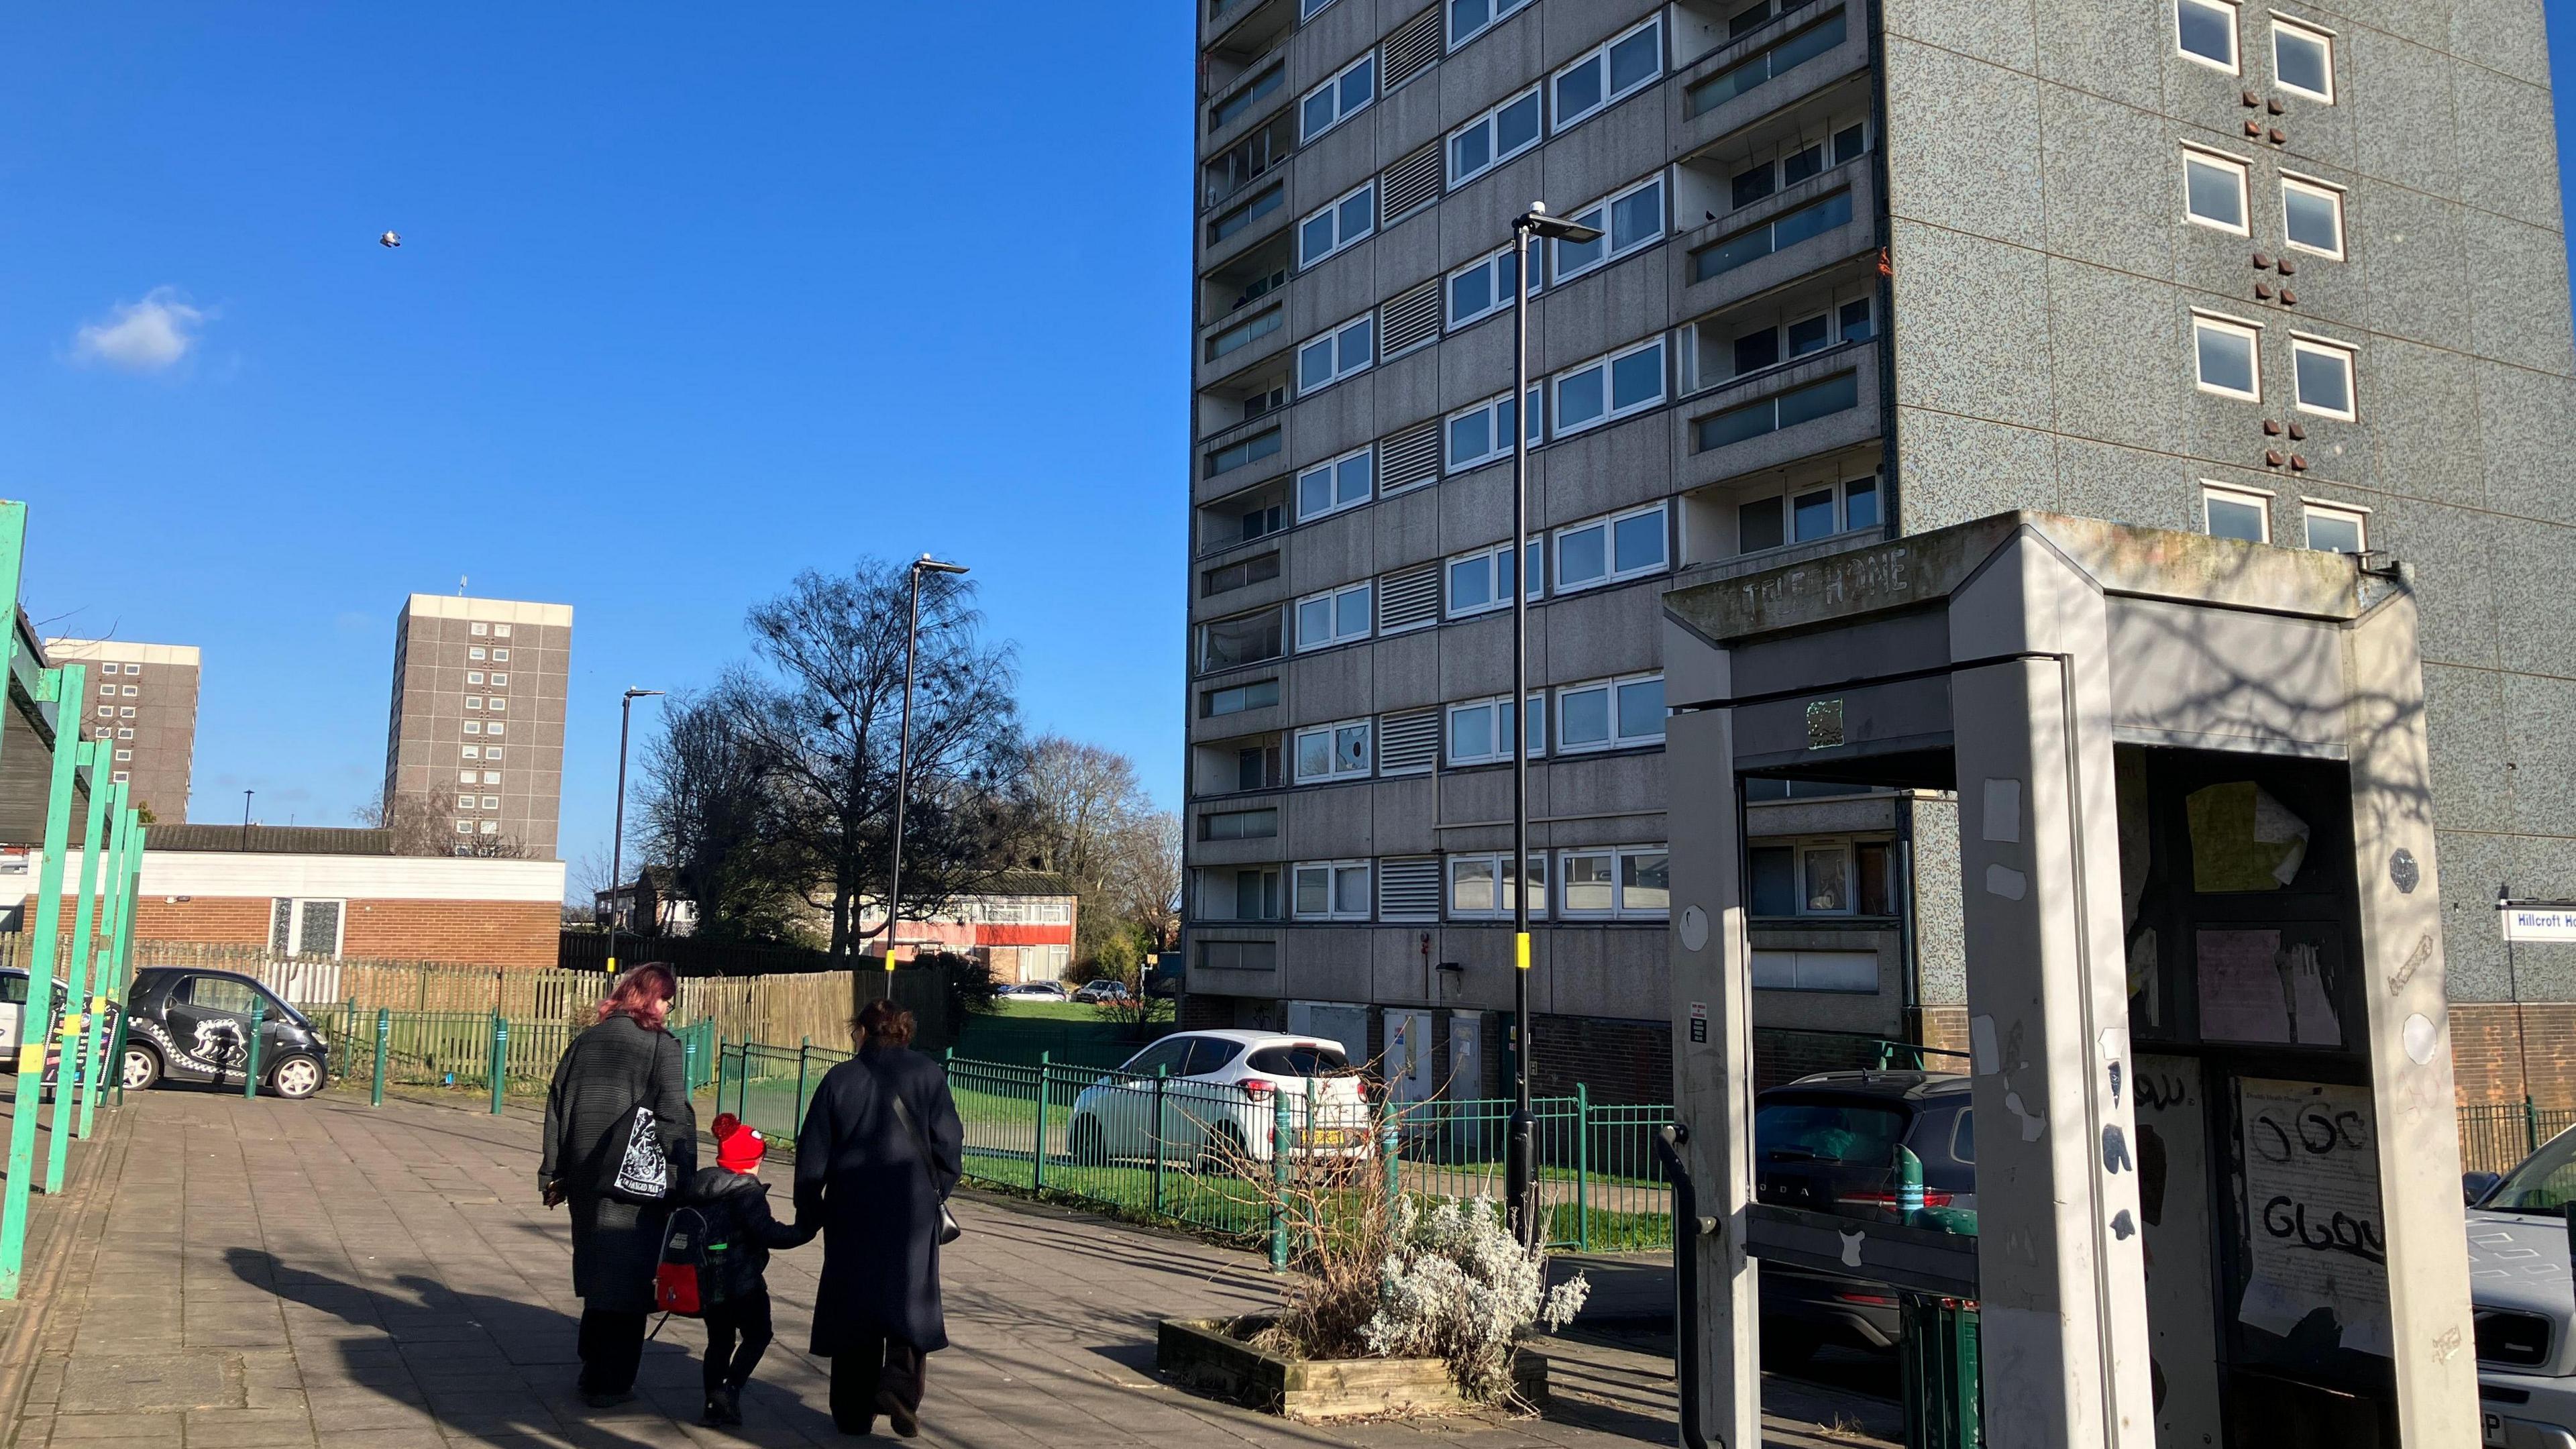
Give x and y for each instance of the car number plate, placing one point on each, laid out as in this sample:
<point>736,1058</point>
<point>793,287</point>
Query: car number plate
<point>2494,1435</point>
<point>1327,1137</point>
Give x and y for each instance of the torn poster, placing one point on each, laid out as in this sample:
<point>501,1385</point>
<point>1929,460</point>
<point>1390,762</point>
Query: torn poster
<point>2253,988</point>
<point>2242,839</point>
<point>2318,1241</point>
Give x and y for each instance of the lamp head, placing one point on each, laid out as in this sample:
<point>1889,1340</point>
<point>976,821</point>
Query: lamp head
<point>641,693</point>
<point>1537,222</point>
<point>929,565</point>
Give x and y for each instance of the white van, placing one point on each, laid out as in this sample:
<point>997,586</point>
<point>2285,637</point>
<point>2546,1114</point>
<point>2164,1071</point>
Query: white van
<point>2523,1300</point>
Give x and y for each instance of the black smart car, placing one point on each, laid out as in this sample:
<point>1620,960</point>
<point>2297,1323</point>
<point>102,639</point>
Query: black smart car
<point>1827,1143</point>
<point>194,1026</point>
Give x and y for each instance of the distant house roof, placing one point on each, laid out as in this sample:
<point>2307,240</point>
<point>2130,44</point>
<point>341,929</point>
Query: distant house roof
<point>272,839</point>
<point>1025,883</point>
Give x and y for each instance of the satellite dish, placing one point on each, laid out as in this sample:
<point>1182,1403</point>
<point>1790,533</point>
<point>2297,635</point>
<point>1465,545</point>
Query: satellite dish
<point>390,239</point>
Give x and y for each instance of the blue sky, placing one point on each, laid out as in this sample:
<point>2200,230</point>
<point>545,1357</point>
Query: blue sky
<point>686,303</point>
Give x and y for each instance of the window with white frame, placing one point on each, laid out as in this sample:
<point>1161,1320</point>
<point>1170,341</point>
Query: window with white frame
<point>473,753</point>
<point>304,927</point>
<point>118,778</point>
<point>2223,356</point>
<point>2240,513</point>
<point>1339,483</point>
<point>464,802</point>
<point>468,777</point>
<point>126,711</point>
<point>494,728</point>
<point>465,827</point>
<point>1335,616</point>
<point>1483,433</point>
<point>1797,162</point>
<point>1482,580</point>
<point>1338,225</point>
<point>1484,287</point>
<point>1338,99</point>
<point>1606,550</point>
<point>1471,18</point>
<point>1480,886</point>
<point>2213,190</point>
<point>500,681</point>
<point>124,755</point>
<point>1338,353</point>
<point>473,701</point>
<point>2205,30</point>
<point>2303,59</point>
<point>474,676</point>
<point>1626,219</point>
<point>500,631</point>
<point>474,653</point>
<point>1838,877</point>
<point>478,629</point>
<point>487,827</point>
<point>2321,372</point>
<point>497,702</point>
<point>492,752</point>
<point>2312,215</point>
<point>1619,68</point>
<point>1610,714</point>
<point>1494,137</point>
<point>1335,751</point>
<point>1480,730</point>
<point>1332,890</point>
<point>1805,512</point>
<point>1812,325</point>
<point>2336,527</point>
<point>1609,387</point>
<point>500,656</point>
<point>1617,882</point>
<point>131,691</point>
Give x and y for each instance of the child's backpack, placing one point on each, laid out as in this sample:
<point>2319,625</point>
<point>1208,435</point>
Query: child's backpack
<point>685,1282</point>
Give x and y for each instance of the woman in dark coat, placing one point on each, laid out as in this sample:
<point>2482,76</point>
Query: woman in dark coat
<point>625,1061</point>
<point>861,1178</point>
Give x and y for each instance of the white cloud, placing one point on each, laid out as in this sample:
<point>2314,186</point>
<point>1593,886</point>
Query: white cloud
<point>146,336</point>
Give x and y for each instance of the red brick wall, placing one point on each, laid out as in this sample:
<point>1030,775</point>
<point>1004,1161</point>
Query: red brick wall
<point>519,935</point>
<point>2487,1066</point>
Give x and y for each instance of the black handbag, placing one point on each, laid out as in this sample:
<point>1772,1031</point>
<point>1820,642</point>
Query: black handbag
<point>634,1165</point>
<point>949,1231</point>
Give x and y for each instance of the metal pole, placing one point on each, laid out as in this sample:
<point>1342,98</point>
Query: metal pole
<point>66,686</point>
<point>75,974</point>
<point>1037,1159</point>
<point>500,1057</point>
<point>903,774</point>
<point>116,907</point>
<point>1279,1136</point>
<point>1517,1167</point>
<point>250,1051</point>
<point>1162,1081</point>
<point>384,1039</point>
<point>804,1051</point>
<point>1583,1167</point>
<point>617,836</point>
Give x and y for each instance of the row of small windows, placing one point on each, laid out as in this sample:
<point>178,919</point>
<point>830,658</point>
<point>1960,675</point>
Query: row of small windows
<point>2215,187</point>
<point>2227,360</point>
<point>1600,714</point>
<point>111,667</point>
<point>108,691</point>
<point>1616,882</point>
<point>2302,54</point>
<point>2232,511</point>
<point>496,656</point>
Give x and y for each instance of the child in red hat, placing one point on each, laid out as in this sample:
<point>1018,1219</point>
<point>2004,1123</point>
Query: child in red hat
<point>735,1203</point>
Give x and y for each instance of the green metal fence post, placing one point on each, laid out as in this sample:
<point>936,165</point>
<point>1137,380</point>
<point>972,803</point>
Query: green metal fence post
<point>116,1058</point>
<point>79,1074</point>
<point>1279,1139</point>
<point>1582,1168</point>
<point>720,1076</point>
<point>689,1058</point>
<point>1390,1146</point>
<point>75,976</point>
<point>250,1051</point>
<point>500,1058</point>
<point>123,974</point>
<point>2530,1125</point>
<point>1154,1133</point>
<point>1037,1158</point>
<point>384,1038</point>
<point>804,1053</point>
<point>65,688</point>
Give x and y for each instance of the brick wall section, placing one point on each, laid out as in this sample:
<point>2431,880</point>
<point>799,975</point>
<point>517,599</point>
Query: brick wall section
<point>1945,1027</point>
<point>513,935</point>
<point>2487,1068</point>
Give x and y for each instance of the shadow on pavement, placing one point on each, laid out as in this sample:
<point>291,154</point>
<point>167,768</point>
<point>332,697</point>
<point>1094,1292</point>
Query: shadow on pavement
<point>490,1367</point>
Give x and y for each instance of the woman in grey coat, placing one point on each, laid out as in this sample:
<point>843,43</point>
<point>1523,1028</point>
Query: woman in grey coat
<point>625,1061</point>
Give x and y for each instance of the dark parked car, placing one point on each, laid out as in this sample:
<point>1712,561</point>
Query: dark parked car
<point>1827,1144</point>
<point>194,1026</point>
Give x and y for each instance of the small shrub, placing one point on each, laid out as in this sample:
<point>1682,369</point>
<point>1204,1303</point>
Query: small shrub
<point>1458,1286</point>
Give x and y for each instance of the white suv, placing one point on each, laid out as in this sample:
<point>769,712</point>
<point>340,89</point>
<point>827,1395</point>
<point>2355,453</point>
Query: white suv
<point>2521,1298</point>
<point>1219,1093</point>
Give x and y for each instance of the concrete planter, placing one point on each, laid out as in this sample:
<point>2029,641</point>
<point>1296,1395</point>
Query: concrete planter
<point>1211,1355</point>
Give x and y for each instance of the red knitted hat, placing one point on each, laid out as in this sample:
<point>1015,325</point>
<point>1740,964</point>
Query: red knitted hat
<point>739,1148</point>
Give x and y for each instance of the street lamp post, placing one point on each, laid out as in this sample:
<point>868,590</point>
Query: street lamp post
<point>1520,1168</point>
<point>617,841</point>
<point>246,794</point>
<point>903,746</point>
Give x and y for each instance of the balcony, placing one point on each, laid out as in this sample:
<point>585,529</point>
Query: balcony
<point>1821,402</point>
<point>1774,65</point>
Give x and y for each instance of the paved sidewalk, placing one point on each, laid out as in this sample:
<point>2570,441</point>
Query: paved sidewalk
<point>325,1274</point>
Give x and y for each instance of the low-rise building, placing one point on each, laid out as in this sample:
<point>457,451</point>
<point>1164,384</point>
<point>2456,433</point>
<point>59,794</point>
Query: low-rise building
<point>1021,923</point>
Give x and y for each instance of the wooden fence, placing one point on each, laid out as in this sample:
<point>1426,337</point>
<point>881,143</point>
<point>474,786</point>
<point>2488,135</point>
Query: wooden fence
<point>521,995</point>
<point>811,1005</point>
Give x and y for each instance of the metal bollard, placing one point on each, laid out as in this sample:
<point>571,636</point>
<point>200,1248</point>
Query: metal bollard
<point>500,1057</point>
<point>1037,1158</point>
<point>1279,1148</point>
<point>804,1050</point>
<point>116,1056</point>
<point>384,1037</point>
<point>1154,1133</point>
<point>250,1050</point>
<point>1390,1146</point>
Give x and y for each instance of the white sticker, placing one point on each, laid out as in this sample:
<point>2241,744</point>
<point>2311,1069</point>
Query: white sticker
<point>2420,1038</point>
<point>1851,1248</point>
<point>2003,880</point>
<point>2003,811</point>
<point>1981,1045</point>
<point>1694,928</point>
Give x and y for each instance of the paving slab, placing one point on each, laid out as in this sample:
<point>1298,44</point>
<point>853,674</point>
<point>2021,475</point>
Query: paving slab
<point>327,1274</point>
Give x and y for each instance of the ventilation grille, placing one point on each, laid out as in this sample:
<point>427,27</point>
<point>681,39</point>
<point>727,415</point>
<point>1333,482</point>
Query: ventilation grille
<point>1408,888</point>
<point>1408,743</point>
<point>1239,955</point>
<point>1409,319</point>
<point>1409,458</point>
<point>1411,49</point>
<point>1408,600</point>
<point>1409,185</point>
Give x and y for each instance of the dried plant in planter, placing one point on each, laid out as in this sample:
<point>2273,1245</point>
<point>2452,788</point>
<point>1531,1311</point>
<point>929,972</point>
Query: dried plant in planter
<point>1378,1273</point>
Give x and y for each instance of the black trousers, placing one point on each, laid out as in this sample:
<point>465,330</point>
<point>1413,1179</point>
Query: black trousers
<point>863,1368</point>
<point>611,1345</point>
<point>737,1335</point>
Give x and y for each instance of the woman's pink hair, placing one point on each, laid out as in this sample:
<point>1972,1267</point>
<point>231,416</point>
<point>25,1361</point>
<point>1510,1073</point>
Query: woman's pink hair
<point>644,993</point>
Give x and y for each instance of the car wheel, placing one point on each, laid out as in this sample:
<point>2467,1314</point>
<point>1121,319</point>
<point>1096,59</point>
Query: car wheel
<point>1224,1155</point>
<point>296,1077</point>
<point>140,1069</point>
<point>1086,1144</point>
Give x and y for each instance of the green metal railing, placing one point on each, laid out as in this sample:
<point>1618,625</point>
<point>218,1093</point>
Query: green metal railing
<point>1089,1134</point>
<point>479,1050</point>
<point>2496,1136</point>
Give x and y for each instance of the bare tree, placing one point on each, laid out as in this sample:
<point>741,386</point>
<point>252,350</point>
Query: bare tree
<point>827,713</point>
<point>710,809</point>
<point>1091,821</point>
<point>420,827</point>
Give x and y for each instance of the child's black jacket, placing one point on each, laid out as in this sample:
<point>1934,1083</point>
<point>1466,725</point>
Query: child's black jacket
<point>736,1207</point>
